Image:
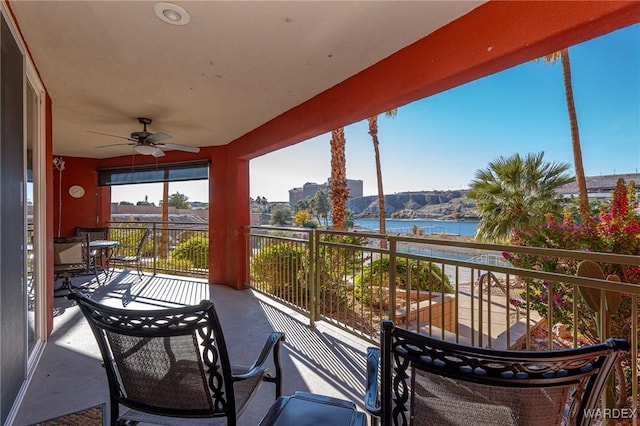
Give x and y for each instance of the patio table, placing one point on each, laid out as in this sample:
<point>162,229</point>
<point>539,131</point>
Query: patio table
<point>104,247</point>
<point>307,409</point>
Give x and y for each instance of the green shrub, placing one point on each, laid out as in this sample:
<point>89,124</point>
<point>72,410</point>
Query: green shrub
<point>336,264</point>
<point>424,276</point>
<point>187,234</point>
<point>129,235</point>
<point>280,215</point>
<point>283,268</point>
<point>195,250</point>
<point>174,264</point>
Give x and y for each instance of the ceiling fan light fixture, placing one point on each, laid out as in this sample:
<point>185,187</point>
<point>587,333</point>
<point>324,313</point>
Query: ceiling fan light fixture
<point>145,149</point>
<point>171,14</point>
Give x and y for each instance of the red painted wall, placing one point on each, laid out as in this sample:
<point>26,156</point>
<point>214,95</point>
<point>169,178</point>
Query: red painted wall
<point>69,212</point>
<point>228,217</point>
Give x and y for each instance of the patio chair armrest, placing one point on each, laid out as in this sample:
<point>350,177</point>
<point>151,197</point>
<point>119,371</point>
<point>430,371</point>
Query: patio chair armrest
<point>371,400</point>
<point>73,295</point>
<point>271,345</point>
<point>620,345</point>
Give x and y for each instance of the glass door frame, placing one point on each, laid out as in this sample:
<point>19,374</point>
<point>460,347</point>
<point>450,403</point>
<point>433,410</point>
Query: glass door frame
<point>39,210</point>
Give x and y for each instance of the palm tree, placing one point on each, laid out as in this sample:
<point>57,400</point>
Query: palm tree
<point>517,193</point>
<point>261,202</point>
<point>563,55</point>
<point>373,131</point>
<point>339,191</point>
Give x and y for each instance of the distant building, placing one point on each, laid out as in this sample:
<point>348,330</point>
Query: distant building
<point>355,188</point>
<point>309,189</point>
<point>199,205</point>
<point>598,187</point>
<point>295,195</point>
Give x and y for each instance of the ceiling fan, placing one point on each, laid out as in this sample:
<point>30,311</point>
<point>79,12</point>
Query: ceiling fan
<point>148,143</point>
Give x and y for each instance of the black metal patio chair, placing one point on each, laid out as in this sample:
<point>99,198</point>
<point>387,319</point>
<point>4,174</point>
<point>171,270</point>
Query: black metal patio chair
<point>414,379</point>
<point>130,255</point>
<point>71,257</point>
<point>171,366</point>
<point>99,257</point>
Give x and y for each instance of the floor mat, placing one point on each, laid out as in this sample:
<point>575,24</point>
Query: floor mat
<point>87,417</point>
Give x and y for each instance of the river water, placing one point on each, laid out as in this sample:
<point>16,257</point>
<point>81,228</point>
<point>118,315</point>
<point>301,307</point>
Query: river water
<point>405,226</point>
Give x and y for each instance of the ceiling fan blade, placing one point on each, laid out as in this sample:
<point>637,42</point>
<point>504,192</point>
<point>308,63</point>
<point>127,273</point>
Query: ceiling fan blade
<point>113,136</point>
<point>158,153</point>
<point>179,147</point>
<point>158,137</point>
<point>115,144</point>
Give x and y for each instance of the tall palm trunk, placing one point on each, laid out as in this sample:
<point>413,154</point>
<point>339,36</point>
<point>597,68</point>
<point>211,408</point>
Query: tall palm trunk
<point>373,131</point>
<point>339,191</point>
<point>585,214</point>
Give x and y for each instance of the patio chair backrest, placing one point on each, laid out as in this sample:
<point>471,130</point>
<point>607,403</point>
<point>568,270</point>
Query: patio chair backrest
<point>142,242</point>
<point>94,233</point>
<point>426,381</point>
<point>134,247</point>
<point>71,254</point>
<point>169,362</point>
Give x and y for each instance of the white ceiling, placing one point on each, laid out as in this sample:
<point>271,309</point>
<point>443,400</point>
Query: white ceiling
<point>235,66</point>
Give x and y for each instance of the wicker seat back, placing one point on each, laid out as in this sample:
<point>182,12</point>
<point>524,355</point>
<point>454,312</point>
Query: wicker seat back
<point>164,364</point>
<point>169,362</point>
<point>70,254</point>
<point>426,381</point>
<point>71,257</point>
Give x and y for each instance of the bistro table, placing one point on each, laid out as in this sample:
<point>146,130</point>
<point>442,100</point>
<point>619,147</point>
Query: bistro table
<point>102,249</point>
<point>307,409</point>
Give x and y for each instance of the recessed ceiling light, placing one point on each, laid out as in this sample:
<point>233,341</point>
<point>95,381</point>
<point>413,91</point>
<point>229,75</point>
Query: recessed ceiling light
<point>171,13</point>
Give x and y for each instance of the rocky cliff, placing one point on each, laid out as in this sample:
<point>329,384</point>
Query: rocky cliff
<point>415,205</point>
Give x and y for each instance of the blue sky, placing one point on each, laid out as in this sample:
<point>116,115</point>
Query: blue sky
<point>439,142</point>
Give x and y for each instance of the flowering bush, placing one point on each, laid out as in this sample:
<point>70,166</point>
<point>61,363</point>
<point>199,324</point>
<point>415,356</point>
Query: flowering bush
<point>616,230</point>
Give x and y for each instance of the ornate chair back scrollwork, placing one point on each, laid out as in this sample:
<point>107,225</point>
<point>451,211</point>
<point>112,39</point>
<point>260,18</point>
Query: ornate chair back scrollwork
<point>173,363</point>
<point>426,381</point>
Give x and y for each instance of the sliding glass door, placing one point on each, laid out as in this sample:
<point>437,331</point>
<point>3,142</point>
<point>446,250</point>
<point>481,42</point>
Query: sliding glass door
<point>34,215</point>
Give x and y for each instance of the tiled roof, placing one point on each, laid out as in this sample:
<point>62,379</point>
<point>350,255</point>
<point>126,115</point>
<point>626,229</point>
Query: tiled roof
<point>604,183</point>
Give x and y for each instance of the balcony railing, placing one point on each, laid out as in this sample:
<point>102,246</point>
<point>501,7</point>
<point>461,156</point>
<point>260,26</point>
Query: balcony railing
<point>460,291</point>
<point>177,248</point>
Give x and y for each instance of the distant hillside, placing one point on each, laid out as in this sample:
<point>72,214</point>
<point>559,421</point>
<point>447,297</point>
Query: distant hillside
<point>414,205</point>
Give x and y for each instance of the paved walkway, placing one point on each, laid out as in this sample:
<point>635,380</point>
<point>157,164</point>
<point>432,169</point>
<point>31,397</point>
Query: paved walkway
<point>484,315</point>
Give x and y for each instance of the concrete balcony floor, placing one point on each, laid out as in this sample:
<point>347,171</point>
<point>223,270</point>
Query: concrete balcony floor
<point>69,376</point>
